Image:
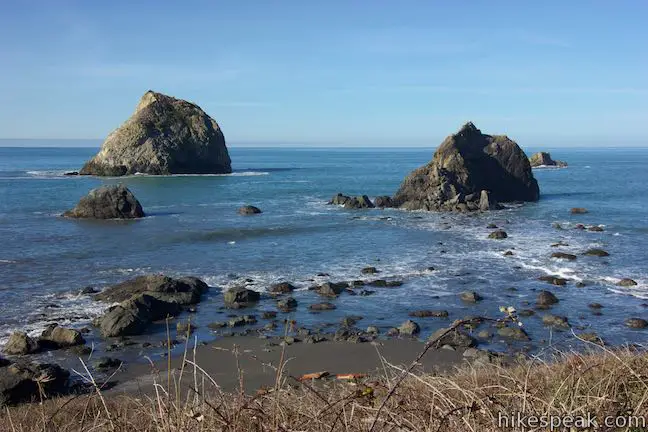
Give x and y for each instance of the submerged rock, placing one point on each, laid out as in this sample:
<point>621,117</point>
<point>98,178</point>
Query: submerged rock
<point>556,321</point>
<point>596,252</point>
<point>553,280</point>
<point>107,202</point>
<point>429,314</point>
<point>281,288</point>
<point>546,299</point>
<point>563,255</point>
<point>515,333</point>
<point>578,210</point>
<point>165,135</point>
<point>463,166</point>
<point>542,159</point>
<point>322,306</point>
<point>470,297</point>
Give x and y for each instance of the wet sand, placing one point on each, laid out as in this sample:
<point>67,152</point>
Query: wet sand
<point>258,362</point>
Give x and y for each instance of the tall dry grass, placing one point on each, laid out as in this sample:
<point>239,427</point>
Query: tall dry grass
<point>602,384</point>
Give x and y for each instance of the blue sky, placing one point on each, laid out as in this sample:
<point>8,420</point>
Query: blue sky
<point>382,73</point>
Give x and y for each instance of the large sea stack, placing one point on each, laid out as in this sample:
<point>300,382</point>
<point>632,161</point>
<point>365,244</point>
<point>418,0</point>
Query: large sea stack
<point>470,171</point>
<point>165,135</point>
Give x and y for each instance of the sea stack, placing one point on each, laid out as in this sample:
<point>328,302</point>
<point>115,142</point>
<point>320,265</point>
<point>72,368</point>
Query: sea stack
<point>470,171</point>
<point>165,135</point>
<point>543,159</point>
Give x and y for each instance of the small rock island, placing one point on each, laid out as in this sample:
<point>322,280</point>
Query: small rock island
<point>543,159</point>
<point>470,171</point>
<point>164,136</point>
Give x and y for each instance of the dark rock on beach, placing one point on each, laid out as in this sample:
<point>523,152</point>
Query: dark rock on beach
<point>27,382</point>
<point>409,328</point>
<point>542,159</point>
<point>165,135</point>
<point>454,338</point>
<point>281,288</point>
<point>553,280</point>
<point>429,314</point>
<point>578,210</point>
<point>322,306</point>
<point>249,210</point>
<point>470,297</point>
<point>331,289</point>
<point>463,166</point>
<point>359,202</point>
<point>182,291</point>
<point>556,321</point>
<point>107,202</point>
<point>513,332</point>
<point>287,304</point>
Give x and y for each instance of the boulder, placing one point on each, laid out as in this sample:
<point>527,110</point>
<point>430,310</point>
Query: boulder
<point>563,255</point>
<point>249,210</point>
<point>636,323</point>
<point>454,338</point>
<point>555,321</point>
<point>543,159</point>
<point>239,297</point>
<point>107,202</point>
<point>515,333</point>
<point>578,210</point>
<point>470,297</point>
<point>132,317</point>
<point>287,304</point>
<point>59,337</point>
<point>409,328</point>
<point>27,382</point>
<point>21,344</point>
<point>107,363</point>
<point>465,164</point>
<point>369,270</point>
<point>322,306</point>
<point>596,252</point>
<point>429,314</point>
<point>553,280</point>
<point>546,299</point>
<point>359,202</point>
<point>164,136</point>
<point>626,282</point>
<point>183,291</point>
<point>383,201</point>
<point>331,289</point>
<point>498,235</point>
<point>281,288</point>
<point>595,228</point>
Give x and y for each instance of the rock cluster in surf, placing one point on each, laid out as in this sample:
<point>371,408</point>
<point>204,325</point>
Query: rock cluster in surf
<point>542,159</point>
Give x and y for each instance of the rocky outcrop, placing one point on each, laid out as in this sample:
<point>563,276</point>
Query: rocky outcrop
<point>543,159</point>
<point>470,171</point>
<point>107,202</point>
<point>240,297</point>
<point>383,201</point>
<point>181,291</point>
<point>165,135</point>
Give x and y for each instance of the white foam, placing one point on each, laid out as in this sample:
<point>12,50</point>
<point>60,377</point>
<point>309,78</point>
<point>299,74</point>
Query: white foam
<point>4,261</point>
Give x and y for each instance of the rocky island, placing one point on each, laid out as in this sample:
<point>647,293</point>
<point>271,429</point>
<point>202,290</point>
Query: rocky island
<point>543,159</point>
<point>164,136</point>
<point>470,171</point>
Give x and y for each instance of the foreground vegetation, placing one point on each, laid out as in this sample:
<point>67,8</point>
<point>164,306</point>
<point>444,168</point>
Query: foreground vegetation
<point>474,397</point>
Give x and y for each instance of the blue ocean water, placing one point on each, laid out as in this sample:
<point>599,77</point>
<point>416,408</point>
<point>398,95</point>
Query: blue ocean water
<point>193,228</point>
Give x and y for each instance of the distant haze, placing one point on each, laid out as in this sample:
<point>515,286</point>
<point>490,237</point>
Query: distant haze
<point>337,73</point>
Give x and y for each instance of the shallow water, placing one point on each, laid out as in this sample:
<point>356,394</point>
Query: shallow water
<point>193,228</point>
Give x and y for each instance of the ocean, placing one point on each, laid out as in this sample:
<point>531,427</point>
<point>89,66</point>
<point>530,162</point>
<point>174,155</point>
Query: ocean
<point>192,228</point>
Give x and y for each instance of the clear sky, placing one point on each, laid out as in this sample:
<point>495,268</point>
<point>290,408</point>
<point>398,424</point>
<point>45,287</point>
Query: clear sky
<point>398,73</point>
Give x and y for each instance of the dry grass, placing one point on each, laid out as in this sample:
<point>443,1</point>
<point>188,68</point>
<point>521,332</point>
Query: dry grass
<point>606,383</point>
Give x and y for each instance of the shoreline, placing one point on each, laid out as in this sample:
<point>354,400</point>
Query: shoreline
<point>229,360</point>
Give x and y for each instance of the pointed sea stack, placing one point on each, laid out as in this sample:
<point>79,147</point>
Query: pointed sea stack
<point>165,135</point>
<point>470,171</point>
